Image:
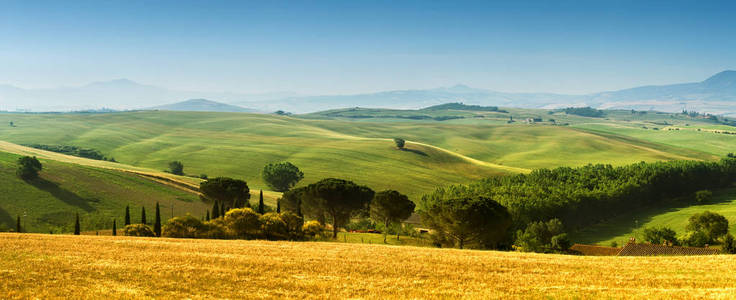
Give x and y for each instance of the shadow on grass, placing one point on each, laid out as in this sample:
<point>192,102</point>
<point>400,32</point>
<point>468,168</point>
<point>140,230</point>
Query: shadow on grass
<point>415,151</point>
<point>6,220</point>
<point>62,194</point>
<point>629,222</point>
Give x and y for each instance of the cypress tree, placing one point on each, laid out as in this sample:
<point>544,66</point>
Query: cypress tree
<point>76,226</point>
<point>17,225</point>
<point>114,228</point>
<point>278,206</point>
<point>222,210</point>
<point>207,217</point>
<point>143,215</point>
<point>127,215</point>
<point>215,211</point>
<point>157,223</point>
<point>261,209</point>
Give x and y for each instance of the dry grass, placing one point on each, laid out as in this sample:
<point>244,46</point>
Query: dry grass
<point>46,266</point>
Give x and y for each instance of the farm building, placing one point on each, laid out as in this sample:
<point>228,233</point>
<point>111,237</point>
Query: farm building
<point>634,249</point>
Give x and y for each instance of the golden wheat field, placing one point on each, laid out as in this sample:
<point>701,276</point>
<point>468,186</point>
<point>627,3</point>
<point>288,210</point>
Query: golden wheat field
<point>63,266</point>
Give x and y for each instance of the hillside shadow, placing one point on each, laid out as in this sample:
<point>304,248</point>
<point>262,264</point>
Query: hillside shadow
<point>415,151</point>
<point>6,219</point>
<point>630,222</point>
<point>62,194</point>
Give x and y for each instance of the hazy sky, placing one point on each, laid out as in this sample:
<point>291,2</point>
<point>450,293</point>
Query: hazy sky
<point>325,47</point>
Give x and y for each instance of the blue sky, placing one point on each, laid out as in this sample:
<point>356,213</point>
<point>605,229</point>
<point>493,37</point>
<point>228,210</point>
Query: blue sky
<point>329,47</point>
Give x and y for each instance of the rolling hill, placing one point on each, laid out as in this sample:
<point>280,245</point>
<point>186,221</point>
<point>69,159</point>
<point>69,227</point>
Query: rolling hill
<point>99,195</point>
<point>239,145</point>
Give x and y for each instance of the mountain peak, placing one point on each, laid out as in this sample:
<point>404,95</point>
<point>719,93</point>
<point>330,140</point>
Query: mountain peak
<point>723,79</point>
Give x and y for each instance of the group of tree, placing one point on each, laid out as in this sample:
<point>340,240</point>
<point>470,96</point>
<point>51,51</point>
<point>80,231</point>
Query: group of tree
<point>577,197</point>
<point>705,228</point>
<point>28,168</point>
<point>244,223</point>
<point>543,237</point>
<point>584,111</point>
<point>73,151</point>
<point>142,228</point>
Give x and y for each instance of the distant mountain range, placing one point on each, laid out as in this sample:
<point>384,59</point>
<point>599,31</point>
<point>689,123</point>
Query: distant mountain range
<point>716,94</point>
<point>202,105</point>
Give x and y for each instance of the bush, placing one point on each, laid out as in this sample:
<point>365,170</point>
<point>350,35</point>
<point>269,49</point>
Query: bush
<point>139,230</point>
<point>729,244</point>
<point>660,235</point>
<point>537,237</point>
<point>243,222</point>
<point>176,168</point>
<point>703,196</point>
<point>694,239</point>
<point>560,242</point>
<point>215,229</point>
<point>273,226</point>
<point>28,168</point>
<point>713,225</point>
<point>313,228</point>
<point>184,227</point>
<point>294,224</point>
<point>399,143</point>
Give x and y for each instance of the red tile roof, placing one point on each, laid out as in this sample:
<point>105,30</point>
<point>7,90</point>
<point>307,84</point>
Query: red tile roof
<point>634,249</point>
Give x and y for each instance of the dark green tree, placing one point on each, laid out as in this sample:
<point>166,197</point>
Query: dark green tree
<point>278,205</point>
<point>157,222</point>
<point>261,206</point>
<point>114,227</point>
<point>339,199</point>
<point>207,217</point>
<point>729,244</point>
<point>17,225</point>
<point>77,228</point>
<point>229,192</point>
<point>390,207</point>
<point>399,143</point>
<point>215,211</point>
<point>28,168</point>
<point>143,216</point>
<point>711,224</point>
<point>176,168</point>
<point>281,176</point>
<point>468,220</point>
<point>660,235</point>
<point>127,215</point>
<point>543,237</point>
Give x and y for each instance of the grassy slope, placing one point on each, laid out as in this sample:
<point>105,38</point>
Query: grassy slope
<point>238,145</point>
<point>675,215</point>
<point>98,195</point>
<point>124,268</point>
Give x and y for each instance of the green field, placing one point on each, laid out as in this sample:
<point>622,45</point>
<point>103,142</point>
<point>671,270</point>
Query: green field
<point>98,195</point>
<point>675,215</point>
<point>438,153</point>
<point>239,145</point>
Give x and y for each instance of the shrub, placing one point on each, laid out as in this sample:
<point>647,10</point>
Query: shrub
<point>713,225</point>
<point>243,222</point>
<point>215,229</point>
<point>729,244</point>
<point>399,143</point>
<point>139,230</point>
<point>273,226</point>
<point>28,168</point>
<point>294,224</point>
<point>660,235</point>
<point>694,239</point>
<point>560,242</point>
<point>184,227</point>
<point>313,228</point>
<point>703,196</point>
